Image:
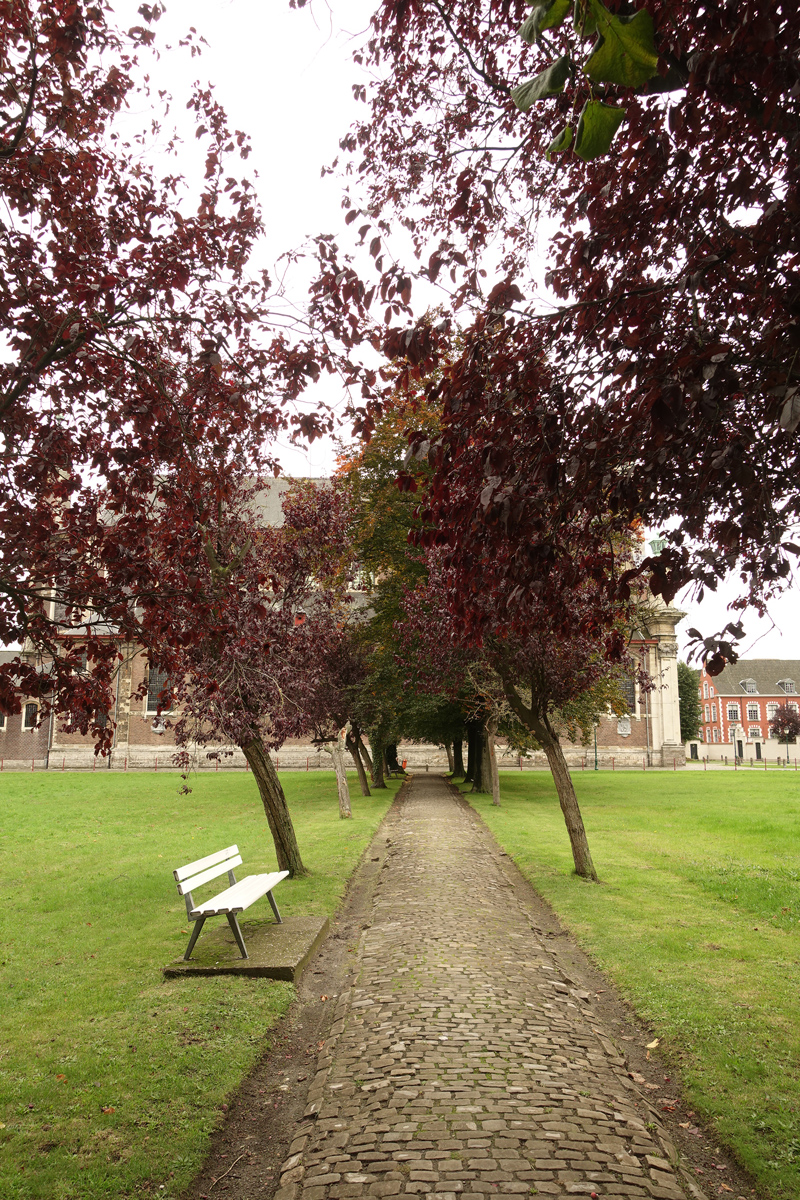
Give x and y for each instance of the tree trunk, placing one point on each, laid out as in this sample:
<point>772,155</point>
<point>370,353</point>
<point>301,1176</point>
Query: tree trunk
<point>352,746</point>
<point>377,769</point>
<point>458,758</point>
<point>491,758</point>
<point>481,781</point>
<point>471,741</point>
<point>274,801</point>
<point>569,802</point>
<point>448,749</point>
<point>366,758</point>
<point>336,751</point>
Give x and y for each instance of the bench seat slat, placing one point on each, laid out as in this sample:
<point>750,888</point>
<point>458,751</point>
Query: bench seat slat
<point>201,864</point>
<point>239,897</point>
<point>196,881</point>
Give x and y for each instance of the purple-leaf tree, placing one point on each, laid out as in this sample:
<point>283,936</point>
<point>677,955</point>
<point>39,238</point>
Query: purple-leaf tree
<point>785,725</point>
<point>243,616</point>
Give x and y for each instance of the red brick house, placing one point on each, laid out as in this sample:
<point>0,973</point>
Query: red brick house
<point>737,705</point>
<point>23,741</point>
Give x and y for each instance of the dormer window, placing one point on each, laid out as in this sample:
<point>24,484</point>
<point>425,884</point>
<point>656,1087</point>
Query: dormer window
<point>787,685</point>
<point>749,686</point>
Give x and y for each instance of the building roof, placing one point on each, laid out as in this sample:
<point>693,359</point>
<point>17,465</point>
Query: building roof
<point>765,671</point>
<point>267,504</point>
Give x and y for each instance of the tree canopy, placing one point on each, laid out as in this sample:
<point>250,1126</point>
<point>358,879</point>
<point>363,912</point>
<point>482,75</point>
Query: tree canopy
<point>689,702</point>
<point>140,357</point>
<point>659,380</point>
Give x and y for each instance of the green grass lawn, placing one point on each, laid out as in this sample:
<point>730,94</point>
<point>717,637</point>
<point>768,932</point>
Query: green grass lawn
<point>112,1078</point>
<point>697,921</point>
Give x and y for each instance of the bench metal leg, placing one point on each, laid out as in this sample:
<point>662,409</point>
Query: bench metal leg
<point>237,933</point>
<point>274,908</point>
<point>198,925</point>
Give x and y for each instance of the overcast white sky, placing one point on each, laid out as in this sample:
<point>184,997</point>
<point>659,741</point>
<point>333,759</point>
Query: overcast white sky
<point>286,79</point>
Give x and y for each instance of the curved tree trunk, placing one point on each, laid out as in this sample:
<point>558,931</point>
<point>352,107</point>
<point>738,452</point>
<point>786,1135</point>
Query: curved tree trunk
<point>352,746</point>
<point>458,758</point>
<point>491,758</point>
<point>448,749</point>
<point>536,720</point>
<point>276,808</point>
<point>581,855</point>
<point>336,751</point>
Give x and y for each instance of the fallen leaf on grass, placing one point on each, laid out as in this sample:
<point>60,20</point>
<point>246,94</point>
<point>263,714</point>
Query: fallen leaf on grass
<point>61,1078</point>
<point>684,1124</point>
<point>109,1109</point>
<point>652,1045</point>
<point>323,997</point>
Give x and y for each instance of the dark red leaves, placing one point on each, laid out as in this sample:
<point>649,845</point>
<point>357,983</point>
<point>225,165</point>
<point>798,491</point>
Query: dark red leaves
<point>110,279</point>
<point>672,260</point>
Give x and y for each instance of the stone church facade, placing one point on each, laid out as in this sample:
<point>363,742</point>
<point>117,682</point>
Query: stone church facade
<point>648,736</point>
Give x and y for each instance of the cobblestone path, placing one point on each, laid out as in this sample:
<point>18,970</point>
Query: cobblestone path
<point>461,1063</point>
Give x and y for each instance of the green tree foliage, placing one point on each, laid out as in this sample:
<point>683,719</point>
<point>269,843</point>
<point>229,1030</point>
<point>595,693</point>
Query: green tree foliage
<point>389,567</point>
<point>689,702</point>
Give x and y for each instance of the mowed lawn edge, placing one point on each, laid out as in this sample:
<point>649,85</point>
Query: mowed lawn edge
<point>111,1077</point>
<point>696,923</point>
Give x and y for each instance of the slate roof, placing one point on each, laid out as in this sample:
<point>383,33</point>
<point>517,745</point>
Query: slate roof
<point>765,671</point>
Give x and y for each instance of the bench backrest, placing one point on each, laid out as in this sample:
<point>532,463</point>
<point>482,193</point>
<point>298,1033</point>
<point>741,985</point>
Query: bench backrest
<point>194,874</point>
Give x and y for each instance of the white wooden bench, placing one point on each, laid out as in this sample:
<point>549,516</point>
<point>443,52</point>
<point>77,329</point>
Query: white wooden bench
<point>233,900</point>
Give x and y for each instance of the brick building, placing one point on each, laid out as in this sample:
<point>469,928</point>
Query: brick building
<point>737,705</point>
<point>24,743</point>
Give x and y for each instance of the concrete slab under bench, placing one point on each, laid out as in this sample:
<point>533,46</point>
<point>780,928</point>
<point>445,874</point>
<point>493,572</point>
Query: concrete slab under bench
<point>276,951</point>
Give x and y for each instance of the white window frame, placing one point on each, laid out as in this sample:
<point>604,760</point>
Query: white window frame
<point>30,704</point>
<point>753,708</point>
<point>733,712</point>
<point>755,732</point>
<point>716,734</point>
